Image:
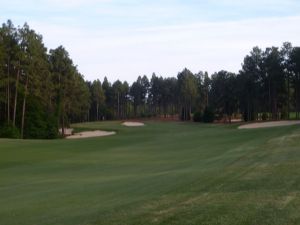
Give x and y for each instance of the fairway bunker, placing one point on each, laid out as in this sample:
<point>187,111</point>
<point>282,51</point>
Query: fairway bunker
<point>133,124</point>
<point>269,124</point>
<point>88,134</point>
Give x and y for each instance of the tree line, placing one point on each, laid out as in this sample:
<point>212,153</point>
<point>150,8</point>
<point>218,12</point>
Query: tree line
<point>42,90</point>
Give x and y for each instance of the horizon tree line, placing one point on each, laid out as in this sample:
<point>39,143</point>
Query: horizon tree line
<point>42,91</point>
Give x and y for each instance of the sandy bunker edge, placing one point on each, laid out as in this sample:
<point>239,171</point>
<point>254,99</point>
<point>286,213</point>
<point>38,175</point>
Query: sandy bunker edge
<point>88,134</point>
<point>133,124</point>
<point>269,124</point>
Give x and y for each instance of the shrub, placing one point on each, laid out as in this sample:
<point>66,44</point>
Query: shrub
<point>9,131</point>
<point>264,116</point>
<point>108,114</point>
<point>249,117</point>
<point>197,117</point>
<point>39,124</point>
<point>284,115</point>
<point>51,127</point>
<point>145,115</point>
<point>208,115</point>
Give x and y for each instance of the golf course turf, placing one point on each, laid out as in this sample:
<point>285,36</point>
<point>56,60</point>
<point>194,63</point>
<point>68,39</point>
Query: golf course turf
<point>161,173</point>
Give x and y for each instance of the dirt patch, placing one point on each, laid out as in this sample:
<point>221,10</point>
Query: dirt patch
<point>88,134</point>
<point>269,124</point>
<point>133,124</point>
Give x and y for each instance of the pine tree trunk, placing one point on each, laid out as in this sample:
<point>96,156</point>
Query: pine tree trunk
<point>118,105</point>
<point>97,112</point>
<point>135,109</point>
<point>24,108</point>
<point>8,91</point>
<point>63,119</point>
<point>16,97</point>
<point>288,98</point>
<point>248,110</point>
<point>297,97</point>
<point>275,108</point>
<point>190,112</point>
<point>270,103</point>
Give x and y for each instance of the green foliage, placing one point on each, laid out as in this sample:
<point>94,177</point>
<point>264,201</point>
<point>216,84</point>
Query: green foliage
<point>9,131</point>
<point>197,117</point>
<point>248,116</point>
<point>108,114</point>
<point>208,115</point>
<point>269,81</point>
<point>224,93</point>
<point>97,99</point>
<point>139,90</point>
<point>145,115</point>
<point>284,115</point>
<point>34,86</point>
<point>264,116</point>
<point>188,91</point>
<point>51,127</point>
<point>39,124</point>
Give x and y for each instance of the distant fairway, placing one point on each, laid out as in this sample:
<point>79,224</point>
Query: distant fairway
<point>161,173</point>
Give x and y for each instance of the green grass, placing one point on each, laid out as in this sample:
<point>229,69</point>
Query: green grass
<point>163,173</point>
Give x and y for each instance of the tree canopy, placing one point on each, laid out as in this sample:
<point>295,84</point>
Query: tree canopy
<point>42,90</point>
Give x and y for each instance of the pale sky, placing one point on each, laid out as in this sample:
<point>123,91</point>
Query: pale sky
<point>122,39</point>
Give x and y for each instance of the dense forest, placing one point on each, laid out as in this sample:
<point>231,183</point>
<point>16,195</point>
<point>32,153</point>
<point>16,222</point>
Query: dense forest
<point>42,90</point>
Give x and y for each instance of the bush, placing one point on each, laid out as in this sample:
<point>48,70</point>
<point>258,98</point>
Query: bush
<point>247,117</point>
<point>108,114</point>
<point>145,115</point>
<point>264,116</point>
<point>9,131</point>
<point>284,115</point>
<point>208,115</point>
<point>39,124</point>
<point>197,117</point>
<point>51,127</point>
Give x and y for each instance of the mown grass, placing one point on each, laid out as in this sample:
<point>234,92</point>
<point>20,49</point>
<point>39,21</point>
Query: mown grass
<point>162,173</point>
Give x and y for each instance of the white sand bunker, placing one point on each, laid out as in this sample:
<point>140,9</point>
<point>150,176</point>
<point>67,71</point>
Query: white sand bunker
<point>88,134</point>
<point>269,124</point>
<point>133,124</point>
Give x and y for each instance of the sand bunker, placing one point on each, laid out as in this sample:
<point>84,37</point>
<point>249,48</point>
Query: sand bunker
<point>269,124</point>
<point>88,134</point>
<point>133,124</point>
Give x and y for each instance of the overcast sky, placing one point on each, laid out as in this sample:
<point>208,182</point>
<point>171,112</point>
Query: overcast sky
<point>122,39</point>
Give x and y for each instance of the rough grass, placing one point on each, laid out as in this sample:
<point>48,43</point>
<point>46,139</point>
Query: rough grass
<point>162,173</point>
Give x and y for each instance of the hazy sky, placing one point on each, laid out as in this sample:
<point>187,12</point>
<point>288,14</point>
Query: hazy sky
<point>122,39</point>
